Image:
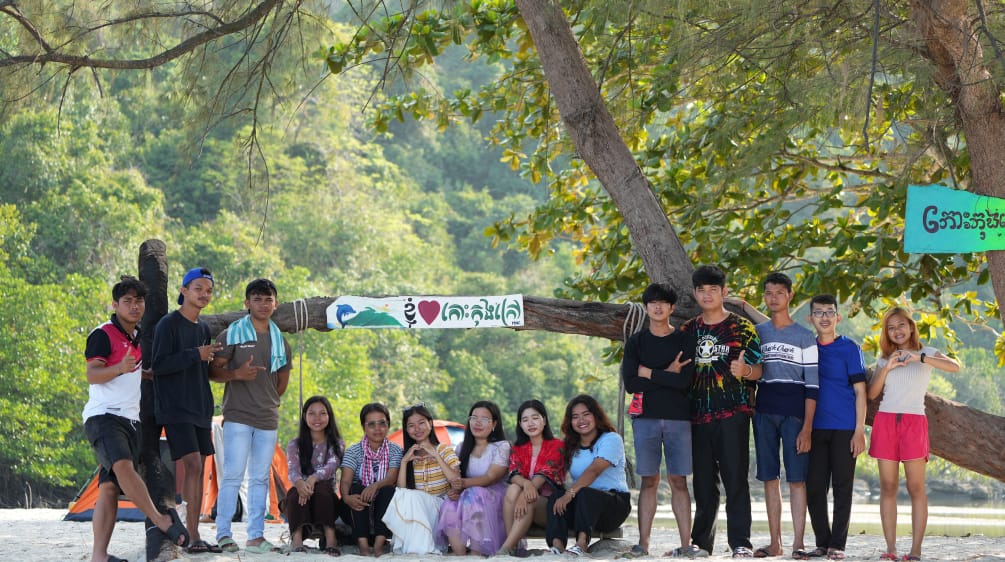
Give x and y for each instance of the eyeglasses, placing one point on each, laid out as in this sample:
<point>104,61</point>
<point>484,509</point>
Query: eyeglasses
<point>824,314</point>
<point>479,419</point>
<point>376,424</point>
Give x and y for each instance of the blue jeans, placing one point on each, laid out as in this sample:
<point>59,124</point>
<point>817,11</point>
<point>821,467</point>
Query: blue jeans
<point>245,447</point>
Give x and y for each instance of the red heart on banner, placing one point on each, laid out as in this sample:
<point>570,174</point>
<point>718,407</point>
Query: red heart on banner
<point>428,310</point>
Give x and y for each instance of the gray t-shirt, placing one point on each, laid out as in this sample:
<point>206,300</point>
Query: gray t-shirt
<point>254,403</point>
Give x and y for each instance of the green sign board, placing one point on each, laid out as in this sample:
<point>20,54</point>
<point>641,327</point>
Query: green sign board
<point>940,220</point>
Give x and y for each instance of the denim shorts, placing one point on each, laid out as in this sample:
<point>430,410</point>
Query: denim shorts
<point>769,430</point>
<point>655,438</point>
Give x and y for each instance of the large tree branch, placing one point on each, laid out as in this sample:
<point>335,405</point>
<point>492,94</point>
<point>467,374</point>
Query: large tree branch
<point>50,55</point>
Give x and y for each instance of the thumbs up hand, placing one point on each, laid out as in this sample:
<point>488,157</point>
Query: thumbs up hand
<point>739,368</point>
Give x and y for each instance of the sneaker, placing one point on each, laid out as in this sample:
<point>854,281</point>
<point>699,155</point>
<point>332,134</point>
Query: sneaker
<point>689,551</point>
<point>742,552</point>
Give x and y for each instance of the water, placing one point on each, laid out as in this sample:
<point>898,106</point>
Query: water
<point>943,520</point>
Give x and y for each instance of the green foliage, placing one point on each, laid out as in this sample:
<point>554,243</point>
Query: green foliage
<point>755,131</point>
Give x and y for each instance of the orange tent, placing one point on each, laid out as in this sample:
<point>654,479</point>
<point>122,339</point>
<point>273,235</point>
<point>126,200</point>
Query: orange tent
<point>82,507</point>
<point>449,432</point>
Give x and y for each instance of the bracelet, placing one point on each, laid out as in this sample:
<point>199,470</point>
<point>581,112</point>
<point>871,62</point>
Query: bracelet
<point>750,371</point>
<point>571,492</point>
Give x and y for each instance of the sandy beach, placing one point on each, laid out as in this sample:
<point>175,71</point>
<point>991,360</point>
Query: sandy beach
<point>41,535</point>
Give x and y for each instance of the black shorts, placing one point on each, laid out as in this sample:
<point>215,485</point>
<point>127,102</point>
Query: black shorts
<point>114,438</point>
<point>185,438</point>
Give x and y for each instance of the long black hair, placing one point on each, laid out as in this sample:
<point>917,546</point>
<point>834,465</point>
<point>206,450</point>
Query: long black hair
<point>537,406</point>
<point>572,439</point>
<point>304,442</point>
<point>407,440</point>
<point>468,444</point>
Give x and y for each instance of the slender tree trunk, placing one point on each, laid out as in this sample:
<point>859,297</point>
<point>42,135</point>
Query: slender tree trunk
<point>598,142</point>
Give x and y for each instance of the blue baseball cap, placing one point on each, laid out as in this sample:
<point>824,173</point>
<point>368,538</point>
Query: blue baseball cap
<point>192,275</point>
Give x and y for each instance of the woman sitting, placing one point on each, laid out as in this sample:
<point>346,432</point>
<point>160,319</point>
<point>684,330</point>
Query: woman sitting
<point>598,498</point>
<point>369,472</point>
<point>312,459</point>
<point>472,515</point>
<point>537,470</point>
<point>422,484</point>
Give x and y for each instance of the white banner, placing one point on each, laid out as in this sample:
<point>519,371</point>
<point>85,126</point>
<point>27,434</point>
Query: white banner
<point>426,312</point>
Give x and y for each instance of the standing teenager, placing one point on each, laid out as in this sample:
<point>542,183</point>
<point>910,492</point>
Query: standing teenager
<point>900,429</point>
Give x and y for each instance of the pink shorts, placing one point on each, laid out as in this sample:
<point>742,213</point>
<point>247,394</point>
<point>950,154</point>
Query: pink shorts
<point>899,437</point>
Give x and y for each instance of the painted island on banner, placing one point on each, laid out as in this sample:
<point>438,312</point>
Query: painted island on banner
<point>941,220</point>
<point>504,311</point>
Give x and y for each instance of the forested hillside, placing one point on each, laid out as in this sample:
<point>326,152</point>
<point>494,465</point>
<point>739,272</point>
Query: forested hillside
<point>326,207</point>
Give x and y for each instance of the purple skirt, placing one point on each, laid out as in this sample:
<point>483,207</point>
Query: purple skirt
<point>476,518</point>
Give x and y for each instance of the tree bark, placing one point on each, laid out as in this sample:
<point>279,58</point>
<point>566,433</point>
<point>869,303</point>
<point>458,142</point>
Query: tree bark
<point>598,142</point>
<point>955,51</point>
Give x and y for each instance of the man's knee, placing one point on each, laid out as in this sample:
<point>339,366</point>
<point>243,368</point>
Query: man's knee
<point>193,463</point>
<point>677,482</point>
<point>650,483</point>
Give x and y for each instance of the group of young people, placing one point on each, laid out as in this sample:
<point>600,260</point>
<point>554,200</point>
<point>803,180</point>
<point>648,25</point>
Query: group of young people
<point>481,497</point>
<point>250,357</point>
<point>698,389</point>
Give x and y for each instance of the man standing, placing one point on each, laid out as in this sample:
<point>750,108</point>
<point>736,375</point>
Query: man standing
<point>727,361</point>
<point>254,365</point>
<point>786,403</point>
<point>183,402</point>
<point>658,369</point>
<point>112,413</point>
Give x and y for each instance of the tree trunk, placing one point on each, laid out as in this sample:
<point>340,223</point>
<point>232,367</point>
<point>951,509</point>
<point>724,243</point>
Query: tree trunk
<point>158,477</point>
<point>598,142</point>
<point>955,51</point>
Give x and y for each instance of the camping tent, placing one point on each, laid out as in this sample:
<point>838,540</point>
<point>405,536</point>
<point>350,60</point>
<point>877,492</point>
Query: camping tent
<point>449,432</point>
<point>82,507</point>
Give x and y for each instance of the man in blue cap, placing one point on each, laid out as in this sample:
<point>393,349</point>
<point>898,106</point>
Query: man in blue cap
<point>183,401</point>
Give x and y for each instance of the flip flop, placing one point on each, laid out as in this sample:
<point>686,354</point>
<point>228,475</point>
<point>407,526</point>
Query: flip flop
<point>888,556</point>
<point>227,544</point>
<point>263,547</point>
<point>203,547</point>
<point>116,559</point>
<point>763,552</point>
<point>177,530</point>
<point>333,551</point>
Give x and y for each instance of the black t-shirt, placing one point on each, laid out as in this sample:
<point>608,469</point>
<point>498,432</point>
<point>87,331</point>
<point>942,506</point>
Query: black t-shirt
<point>665,395</point>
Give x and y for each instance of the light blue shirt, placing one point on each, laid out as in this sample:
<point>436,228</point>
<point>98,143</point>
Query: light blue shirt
<point>611,448</point>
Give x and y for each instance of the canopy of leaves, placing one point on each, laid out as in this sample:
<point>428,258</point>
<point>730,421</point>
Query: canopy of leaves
<point>770,132</point>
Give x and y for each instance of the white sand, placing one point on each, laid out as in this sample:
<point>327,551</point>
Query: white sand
<point>41,535</point>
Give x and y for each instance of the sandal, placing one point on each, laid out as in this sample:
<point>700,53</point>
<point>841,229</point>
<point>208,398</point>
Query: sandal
<point>910,558</point>
<point>888,556</point>
<point>203,547</point>
<point>574,550</point>
<point>263,547</point>
<point>765,552</point>
<point>333,551</point>
<point>835,554</point>
<point>227,544</point>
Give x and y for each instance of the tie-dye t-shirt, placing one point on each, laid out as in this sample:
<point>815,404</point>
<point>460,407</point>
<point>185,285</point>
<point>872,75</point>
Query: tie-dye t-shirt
<point>716,394</point>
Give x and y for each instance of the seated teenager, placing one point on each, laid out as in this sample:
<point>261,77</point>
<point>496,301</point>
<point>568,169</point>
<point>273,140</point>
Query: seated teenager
<point>313,457</point>
<point>472,516</point>
<point>598,498</point>
<point>369,473</point>
<point>536,471</point>
<point>423,483</point>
